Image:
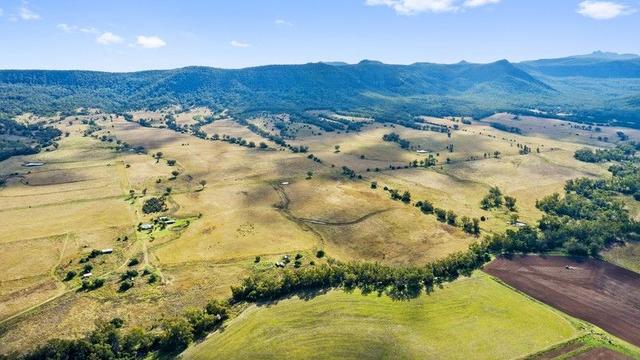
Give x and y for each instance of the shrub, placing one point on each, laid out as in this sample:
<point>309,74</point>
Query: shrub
<point>125,285</point>
<point>70,275</point>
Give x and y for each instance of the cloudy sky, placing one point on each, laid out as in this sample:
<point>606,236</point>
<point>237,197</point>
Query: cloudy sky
<point>124,35</point>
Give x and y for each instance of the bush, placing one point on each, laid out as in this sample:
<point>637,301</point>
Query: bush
<point>70,275</point>
<point>125,285</point>
<point>133,262</point>
<point>320,254</point>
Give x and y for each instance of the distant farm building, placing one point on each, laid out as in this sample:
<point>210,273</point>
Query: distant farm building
<point>106,251</point>
<point>421,151</point>
<point>32,164</point>
<point>166,220</point>
<point>146,226</point>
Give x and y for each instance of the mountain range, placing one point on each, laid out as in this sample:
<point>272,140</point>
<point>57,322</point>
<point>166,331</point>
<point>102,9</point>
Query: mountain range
<point>598,87</point>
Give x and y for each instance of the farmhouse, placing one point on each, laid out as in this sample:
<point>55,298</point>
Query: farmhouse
<point>32,164</point>
<point>421,151</point>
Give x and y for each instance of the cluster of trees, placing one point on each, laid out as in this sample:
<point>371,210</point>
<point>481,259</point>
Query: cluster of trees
<point>495,199</point>
<point>507,128</point>
<point>405,197</point>
<point>350,173</point>
<point>470,226</point>
<point>582,222</point>
<point>236,140</point>
<point>109,339</point>
<point>430,161</point>
<point>397,282</point>
<point>393,137</point>
<point>621,152</point>
<point>328,125</point>
<point>153,205</point>
<point>314,158</point>
<point>29,138</point>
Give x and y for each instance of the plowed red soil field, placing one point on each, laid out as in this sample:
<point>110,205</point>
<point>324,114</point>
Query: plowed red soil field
<point>596,291</point>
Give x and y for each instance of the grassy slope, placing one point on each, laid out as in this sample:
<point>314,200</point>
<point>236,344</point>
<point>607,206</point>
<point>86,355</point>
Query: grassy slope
<point>472,318</point>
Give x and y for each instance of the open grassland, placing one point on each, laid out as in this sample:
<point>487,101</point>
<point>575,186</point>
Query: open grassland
<point>233,203</point>
<point>471,318</point>
<point>562,130</point>
<point>625,255</point>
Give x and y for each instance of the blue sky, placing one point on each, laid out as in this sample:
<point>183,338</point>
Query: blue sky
<point>127,35</point>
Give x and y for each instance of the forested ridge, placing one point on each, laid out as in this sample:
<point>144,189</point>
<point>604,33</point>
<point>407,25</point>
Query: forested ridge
<point>386,92</point>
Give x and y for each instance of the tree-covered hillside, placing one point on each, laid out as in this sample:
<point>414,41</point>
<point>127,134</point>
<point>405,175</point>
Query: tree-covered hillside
<point>577,86</point>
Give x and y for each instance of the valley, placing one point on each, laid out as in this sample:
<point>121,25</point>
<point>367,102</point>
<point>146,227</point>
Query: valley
<point>78,246</point>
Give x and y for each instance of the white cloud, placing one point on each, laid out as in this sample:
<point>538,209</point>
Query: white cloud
<point>603,10</point>
<point>89,30</point>
<point>412,7</point>
<point>67,28</point>
<point>74,28</point>
<point>150,42</point>
<point>239,44</point>
<point>109,38</point>
<point>477,3</point>
<point>27,14</point>
<point>282,22</point>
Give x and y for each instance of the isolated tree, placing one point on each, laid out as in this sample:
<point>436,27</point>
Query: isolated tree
<point>337,147</point>
<point>175,173</point>
<point>510,203</point>
<point>476,226</point>
<point>203,183</point>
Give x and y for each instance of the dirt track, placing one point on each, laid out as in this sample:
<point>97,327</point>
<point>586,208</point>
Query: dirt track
<point>596,291</point>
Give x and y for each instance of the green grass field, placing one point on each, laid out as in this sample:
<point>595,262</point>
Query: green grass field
<point>472,318</point>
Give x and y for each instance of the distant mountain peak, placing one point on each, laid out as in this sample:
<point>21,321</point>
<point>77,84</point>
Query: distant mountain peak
<point>370,62</point>
<point>607,55</point>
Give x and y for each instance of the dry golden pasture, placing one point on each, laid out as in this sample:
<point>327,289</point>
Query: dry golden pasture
<point>54,215</point>
<point>563,130</point>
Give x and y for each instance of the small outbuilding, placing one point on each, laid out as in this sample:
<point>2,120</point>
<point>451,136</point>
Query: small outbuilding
<point>166,220</point>
<point>106,251</point>
<point>32,164</point>
<point>146,226</point>
<point>86,275</point>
